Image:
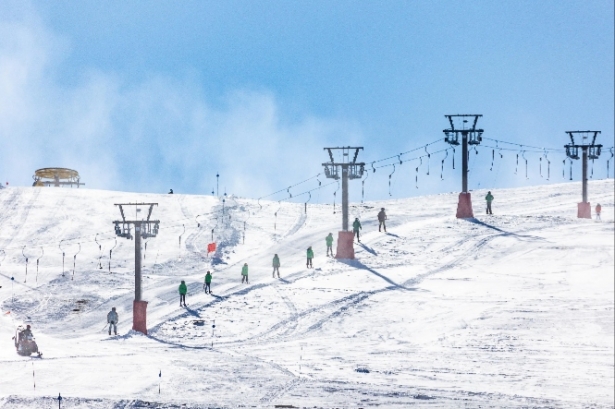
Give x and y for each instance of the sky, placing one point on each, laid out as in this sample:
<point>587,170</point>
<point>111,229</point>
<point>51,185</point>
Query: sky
<point>147,96</point>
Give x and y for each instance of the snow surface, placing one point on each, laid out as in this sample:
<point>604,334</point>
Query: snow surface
<point>511,310</point>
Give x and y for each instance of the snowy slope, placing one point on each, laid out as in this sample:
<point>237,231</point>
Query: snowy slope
<point>510,310</point>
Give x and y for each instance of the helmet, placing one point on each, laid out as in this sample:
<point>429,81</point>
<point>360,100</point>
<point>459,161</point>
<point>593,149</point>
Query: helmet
<point>28,326</point>
<point>113,308</point>
<point>382,208</point>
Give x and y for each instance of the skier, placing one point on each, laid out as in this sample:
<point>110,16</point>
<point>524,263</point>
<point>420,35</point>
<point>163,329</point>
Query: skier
<point>489,199</point>
<point>244,273</point>
<point>598,210</point>
<point>329,240</point>
<point>112,320</point>
<point>183,289</point>
<point>310,256</point>
<point>276,265</point>
<point>356,226</point>
<point>170,191</point>
<point>207,285</point>
<point>381,218</point>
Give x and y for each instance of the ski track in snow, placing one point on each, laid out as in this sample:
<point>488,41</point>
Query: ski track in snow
<point>513,310</point>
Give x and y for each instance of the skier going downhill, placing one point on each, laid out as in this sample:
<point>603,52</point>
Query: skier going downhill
<point>207,285</point>
<point>276,265</point>
<point>183,289</point>
<point>244,273</point>
<point>112,320</point>
<point>310,256</point>
<point>329,240</point>
<point>598,211</point>
<point>356,226</point>
<point>381,218</point>
<point>489,199</point>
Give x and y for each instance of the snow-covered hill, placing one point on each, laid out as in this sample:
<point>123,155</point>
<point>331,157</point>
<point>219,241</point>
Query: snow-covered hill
<point>510,310</point>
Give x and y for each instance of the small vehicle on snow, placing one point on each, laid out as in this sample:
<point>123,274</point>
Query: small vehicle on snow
<point>24,342</point>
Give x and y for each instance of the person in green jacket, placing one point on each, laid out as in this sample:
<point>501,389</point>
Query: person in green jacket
<point>310,256</point>
<point>207,285</point>
<point>244,273</point>
<point>356,226</point>
<point>183,289</point>
<point>489,199</point>
<point>276,265</point>
<point>329,240</point>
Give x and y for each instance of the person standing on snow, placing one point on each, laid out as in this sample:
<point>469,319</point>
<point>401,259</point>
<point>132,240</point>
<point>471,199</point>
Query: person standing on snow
<point>489,199</point>
<point>112,320</point>
<point>329,240</point>
<point>598,210</point>
<point>356,226</point>
<point>207,285</point>
<point>244,273</point>
<point>381,218</point>
<point>183,289</point>
<point>276,265</point>
<point>310,256</point>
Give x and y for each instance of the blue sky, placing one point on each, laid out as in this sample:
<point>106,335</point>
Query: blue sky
<point>147,96</point>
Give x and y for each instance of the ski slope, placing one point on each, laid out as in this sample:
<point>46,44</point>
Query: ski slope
<point>512,310</point>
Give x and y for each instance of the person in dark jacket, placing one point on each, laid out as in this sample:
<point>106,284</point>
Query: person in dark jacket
<point>381,218</point>
<point>24,334</point>
<point>489,199</point>
<point>183,289</point>
<point>276,265</point>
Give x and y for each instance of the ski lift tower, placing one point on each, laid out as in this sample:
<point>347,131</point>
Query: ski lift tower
<point>469,136</point>
<point>589,151</point>
<point>144,228</point>
<point>349,169</point>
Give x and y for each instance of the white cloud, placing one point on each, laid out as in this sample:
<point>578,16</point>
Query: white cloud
<point>151,135</point>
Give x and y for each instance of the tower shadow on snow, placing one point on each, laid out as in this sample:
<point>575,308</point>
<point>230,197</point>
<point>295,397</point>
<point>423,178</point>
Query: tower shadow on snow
<point>368,249</point>
<point>504,232</point>
<point>359,265</point>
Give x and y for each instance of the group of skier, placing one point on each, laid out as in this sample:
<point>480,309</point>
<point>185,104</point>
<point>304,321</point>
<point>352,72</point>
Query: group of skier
<point>356,225</point>
<point>112,316</point>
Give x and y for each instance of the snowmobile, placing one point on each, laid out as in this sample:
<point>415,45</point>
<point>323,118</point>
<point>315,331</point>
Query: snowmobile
<point>25,344</point>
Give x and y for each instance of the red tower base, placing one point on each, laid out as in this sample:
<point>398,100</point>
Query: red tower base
<point>345,247</point>
<point>464,207</point>
<point>584,210</point>
<point>139,314</point>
